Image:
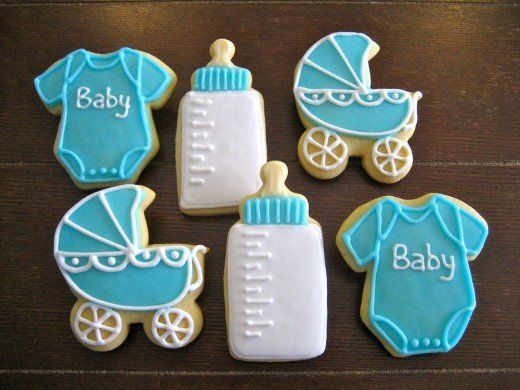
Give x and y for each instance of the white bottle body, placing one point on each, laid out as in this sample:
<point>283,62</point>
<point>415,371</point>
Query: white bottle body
<point>276,292</point>
<point>223,147</point>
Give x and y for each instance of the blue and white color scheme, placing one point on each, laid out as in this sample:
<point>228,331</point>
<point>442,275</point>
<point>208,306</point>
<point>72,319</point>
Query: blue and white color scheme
<point>333,89</point>
<point>275,276</point>
<point>221,142</point>
<point>101,247</point>
<point>100,251</point>
<point>420,294</point>
<point>106,132</point>
<point>341,109</point>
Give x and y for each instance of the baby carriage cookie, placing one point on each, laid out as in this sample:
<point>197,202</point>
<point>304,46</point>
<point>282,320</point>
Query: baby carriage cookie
<point>220,145</point>
<point>418,296</point>
<point>101,247</point>
<point>344,116</point>
<point>275,282</point>
<point>106,134</point>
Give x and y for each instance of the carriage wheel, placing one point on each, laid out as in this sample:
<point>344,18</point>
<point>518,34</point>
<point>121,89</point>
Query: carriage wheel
<point>96,325</point>
<point>392,157</point>
<point>172,327</point>
<point>324,149</point>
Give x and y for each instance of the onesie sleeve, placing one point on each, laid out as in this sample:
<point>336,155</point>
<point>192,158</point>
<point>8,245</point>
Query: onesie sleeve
<point>155,79</point>
<point>474,232</point>
<point>466,228</point>
<point>49,85</point>
<point>360,240</point>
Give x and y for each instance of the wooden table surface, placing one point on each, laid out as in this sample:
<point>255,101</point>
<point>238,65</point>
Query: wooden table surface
<point>465,59</point>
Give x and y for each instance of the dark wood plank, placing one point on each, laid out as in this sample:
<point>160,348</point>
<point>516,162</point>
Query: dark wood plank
<point>36,301</point>
<point>474,379</point>
<point>304,2</point>
<point>461,57</point>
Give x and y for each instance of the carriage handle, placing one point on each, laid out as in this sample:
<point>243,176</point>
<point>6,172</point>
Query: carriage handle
<point>195,261</point>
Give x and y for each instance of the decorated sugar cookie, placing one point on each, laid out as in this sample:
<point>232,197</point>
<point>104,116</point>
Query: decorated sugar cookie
<point>419,295</point>
<point>101,246</point>
<point>220,144</point>
<point>275,281</point>
<point>344,116</point>
<point>106,134</point>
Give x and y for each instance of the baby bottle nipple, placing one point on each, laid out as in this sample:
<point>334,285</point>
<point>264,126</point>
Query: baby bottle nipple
<point>273,175</point>
<point>221,52</point>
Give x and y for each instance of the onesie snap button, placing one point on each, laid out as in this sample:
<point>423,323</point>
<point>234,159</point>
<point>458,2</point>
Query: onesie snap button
<point>436,342</point>
<point>92,172</point>
<point>426,342</point>
<point>415,343</point>
<point>113,171</point>
<point>103,171</point>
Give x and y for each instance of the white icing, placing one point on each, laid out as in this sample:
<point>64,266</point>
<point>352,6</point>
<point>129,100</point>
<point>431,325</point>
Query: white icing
<point>332,146</point>
<point>234,147</point>
<point>202,147</point>
<point>417,261</point>
<point>320,96</point>
<point>87,321</point>
<point>166,332</point>
<point>251,233</point>
<point>387,151</point>
<point>248,244</point>
<point>249,266</point>
<point>253,312</point>
<point>277,310</point>
<point>195,123</point>
<point>102,101</point>
<point>199,135</point>
<point>197,158</point>
<point>197,181</point>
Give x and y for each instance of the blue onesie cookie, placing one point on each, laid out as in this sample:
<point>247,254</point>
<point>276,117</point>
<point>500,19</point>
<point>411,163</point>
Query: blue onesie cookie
<point>418,295</point>
<point>106,134</point>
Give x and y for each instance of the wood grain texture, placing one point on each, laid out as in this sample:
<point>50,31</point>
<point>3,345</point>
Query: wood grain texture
<point>464,58</point>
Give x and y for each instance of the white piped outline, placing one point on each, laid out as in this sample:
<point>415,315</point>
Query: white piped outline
<point>130,254</point>
<point>356,92</point>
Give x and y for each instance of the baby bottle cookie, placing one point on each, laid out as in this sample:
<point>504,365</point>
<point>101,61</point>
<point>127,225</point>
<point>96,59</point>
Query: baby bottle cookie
<point>101,247</point>
<point>106,134</point>
<point>344,116</point>
<point>418,296</point>
<point>275,281</point>
<point>220,144</point>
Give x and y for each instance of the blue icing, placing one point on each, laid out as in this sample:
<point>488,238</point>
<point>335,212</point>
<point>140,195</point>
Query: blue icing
<point>344,55</point>
<point>276,210</point>
<point>93,217</point>
<point>422,294</point>
<point>134,286</point>
<point>221,78</point>
<point>71,240</point>
<point>355,48</point>
<point>121,203</point>
<point>314,79</point>
<point>106,131</point>
<point>88,232</point>
<point>352,47</point>
<point>338,65</point>
<point>366,120</point>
